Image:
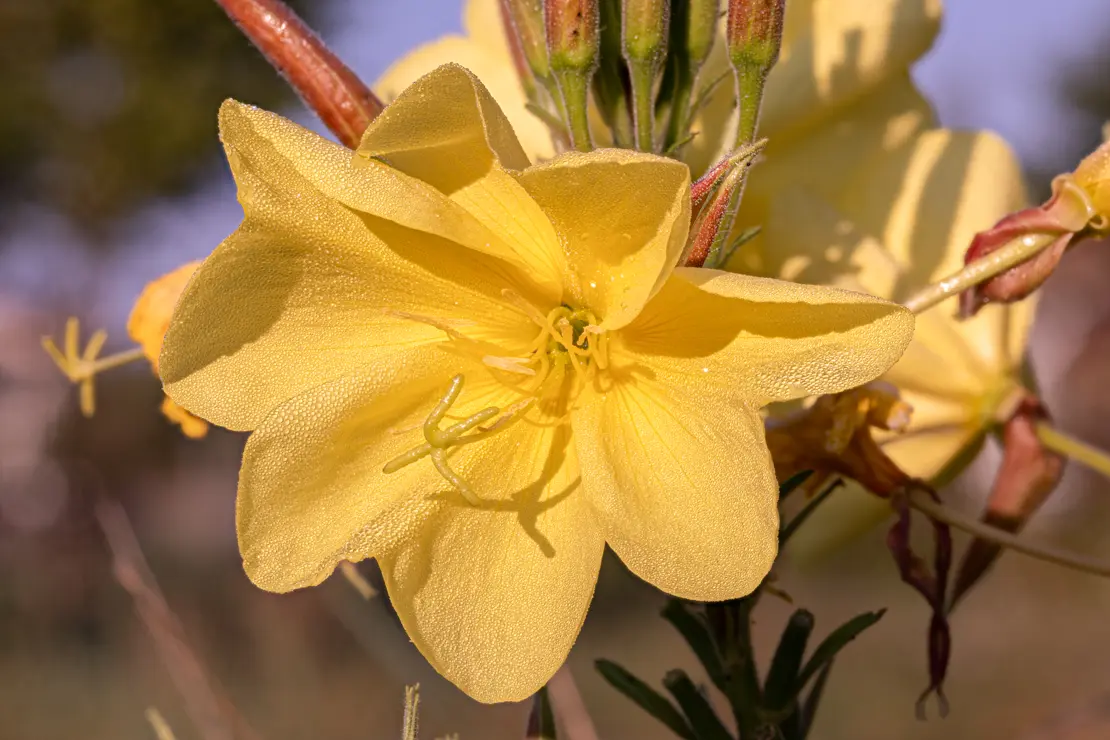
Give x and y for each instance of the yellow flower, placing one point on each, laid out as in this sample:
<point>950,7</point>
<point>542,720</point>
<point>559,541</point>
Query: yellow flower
<point>147,324</point>
<point>479,371</point>
<point>857,188</point>
<point>860,189</point>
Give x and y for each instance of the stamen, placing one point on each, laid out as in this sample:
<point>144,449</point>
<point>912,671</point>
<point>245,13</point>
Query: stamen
<point>521,303</point>
<point>510,364</point>
<point>439,441</point>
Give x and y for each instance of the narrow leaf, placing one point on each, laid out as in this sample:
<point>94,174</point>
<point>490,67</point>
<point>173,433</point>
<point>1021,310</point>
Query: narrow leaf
<point>779,689</point>
<point>696,633</point>
<point>809,708</point>
<point>833,644</point>
<point>707,725</point>
<point>799,519</point>
<point>650,700</point>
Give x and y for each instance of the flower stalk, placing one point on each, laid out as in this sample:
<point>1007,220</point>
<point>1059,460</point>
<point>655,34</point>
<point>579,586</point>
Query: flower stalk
<point>572,48</point>
<point>326,85</point>
<point>1014,253</point>
<point>644,26</point>
<point>754,41</point>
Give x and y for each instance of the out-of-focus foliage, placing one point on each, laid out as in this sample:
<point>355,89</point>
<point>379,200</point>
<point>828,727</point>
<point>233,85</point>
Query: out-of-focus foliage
<point>99,110</point>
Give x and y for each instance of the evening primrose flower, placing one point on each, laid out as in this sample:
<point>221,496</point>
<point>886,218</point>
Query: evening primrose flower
<point>480,371</point>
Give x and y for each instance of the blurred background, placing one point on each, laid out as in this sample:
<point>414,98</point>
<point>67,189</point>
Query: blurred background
<point>110,175</point>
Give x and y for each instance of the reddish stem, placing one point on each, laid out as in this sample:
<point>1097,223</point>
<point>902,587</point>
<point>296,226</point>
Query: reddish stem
<point>326,85</point>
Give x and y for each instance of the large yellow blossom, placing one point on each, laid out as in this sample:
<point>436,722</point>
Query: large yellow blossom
<point>858,188</point>
<point>479,371</point>
<point>861,189</point>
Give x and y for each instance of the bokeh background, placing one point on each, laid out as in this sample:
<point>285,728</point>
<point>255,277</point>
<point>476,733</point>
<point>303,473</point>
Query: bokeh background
<point>110,175</point>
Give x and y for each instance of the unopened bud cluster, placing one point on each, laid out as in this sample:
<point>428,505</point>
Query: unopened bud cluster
<point>636,64</point>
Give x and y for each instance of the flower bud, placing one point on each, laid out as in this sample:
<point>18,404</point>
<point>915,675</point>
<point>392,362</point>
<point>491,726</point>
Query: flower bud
<point>524,25</point>
<point>572,51</point>
<point>325,84</point>
<point>701,29</point>
<point>572,34</point>
<point>644,24</point>
<point>715,198</point>
<point>754,40</point>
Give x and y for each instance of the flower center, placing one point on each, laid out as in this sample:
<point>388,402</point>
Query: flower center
<point>566,338</point>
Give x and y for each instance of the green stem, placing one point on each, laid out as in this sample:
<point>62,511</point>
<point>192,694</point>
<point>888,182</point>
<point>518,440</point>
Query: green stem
<point>574,87</point>
<point>1081,452</point>
<point>1014,253</point>
<point>750,80</point>
<point>642,75</point>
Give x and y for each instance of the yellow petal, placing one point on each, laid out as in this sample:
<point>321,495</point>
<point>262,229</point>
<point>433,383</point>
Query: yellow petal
<point>622,218</point>
<point>837,51</point>
<point>300,294</point>
<point>494,596</point>
<point>484,51</point>
<point>681,483</point>
<point>311,489</point>
<point>263,147</point>
<point>150,316</point>
<point>767,340</point>
<point>447,131</point>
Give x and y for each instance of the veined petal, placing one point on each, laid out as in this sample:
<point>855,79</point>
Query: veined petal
<point>307,289</point>
<point>447,144</point>
<point>767,340</point>
<point>681,483</point>
<point>311,489</point>
<point>494,595</point>
<point>485,52</point>
<point>446,130</point>
<point>622,218</point>
<point>836,51</point>
<point>267,147</point>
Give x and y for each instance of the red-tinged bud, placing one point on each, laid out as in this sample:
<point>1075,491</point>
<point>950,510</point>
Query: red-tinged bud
<point>325,84</point>
<point>572,33</point>
<point>754,40</point>
<point>1039,236</point>
<point>524,27</point>
<point>1029,473</point>
<point>572,51</point>
<point>714,200</point>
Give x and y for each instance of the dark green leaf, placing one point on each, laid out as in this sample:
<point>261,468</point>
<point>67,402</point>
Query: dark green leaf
<point>779,689</point>
<point>808,711</point>
<point>832,644</point>
<point>810,507</point>
<point>696,633</point>
<point>650,700</point>
<point>707,725</point>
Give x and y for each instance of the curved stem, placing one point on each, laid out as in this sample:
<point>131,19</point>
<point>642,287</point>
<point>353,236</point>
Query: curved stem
<point>112,361</point>
<point>1081,452</point>
<point>1017,251</point>
<point>920,501</point>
